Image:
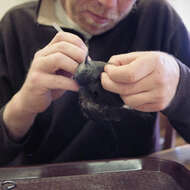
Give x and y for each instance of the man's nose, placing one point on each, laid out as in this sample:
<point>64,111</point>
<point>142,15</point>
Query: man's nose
<point>109,3</point>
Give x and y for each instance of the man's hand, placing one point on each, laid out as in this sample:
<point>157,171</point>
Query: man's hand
<point>43,84</point>
<point>146,81</point>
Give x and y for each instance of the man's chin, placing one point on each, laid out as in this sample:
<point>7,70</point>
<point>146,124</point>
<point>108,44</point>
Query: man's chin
<point>94,30</point>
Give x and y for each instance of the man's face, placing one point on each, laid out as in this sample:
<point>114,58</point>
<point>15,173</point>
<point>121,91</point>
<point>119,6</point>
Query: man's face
<point>97,16</point>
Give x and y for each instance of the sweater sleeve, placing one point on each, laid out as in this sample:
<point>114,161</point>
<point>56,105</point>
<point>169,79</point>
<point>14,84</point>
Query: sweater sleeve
<point>16,54</point>
<point>8,148</point>
<point>179,109</point>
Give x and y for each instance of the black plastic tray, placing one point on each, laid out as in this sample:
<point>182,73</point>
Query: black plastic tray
<point>133,174</point>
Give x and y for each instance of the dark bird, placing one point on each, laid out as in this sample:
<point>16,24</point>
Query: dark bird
<point>97,103</point>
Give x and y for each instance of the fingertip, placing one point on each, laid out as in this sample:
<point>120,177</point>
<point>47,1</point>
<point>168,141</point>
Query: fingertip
<point>108,68</point>
<point>104,79</point>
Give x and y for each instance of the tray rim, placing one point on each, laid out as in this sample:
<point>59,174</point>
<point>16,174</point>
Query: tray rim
<point>90,167</point>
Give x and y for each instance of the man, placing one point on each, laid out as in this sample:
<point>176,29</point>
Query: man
<point>148,48</point>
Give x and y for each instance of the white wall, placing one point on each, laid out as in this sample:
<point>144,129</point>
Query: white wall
<point>7,4</point>
<point>182,7</point>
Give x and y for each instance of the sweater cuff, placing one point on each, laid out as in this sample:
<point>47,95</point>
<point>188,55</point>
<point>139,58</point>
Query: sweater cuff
<point>180,105</point>
<point>9,149</point>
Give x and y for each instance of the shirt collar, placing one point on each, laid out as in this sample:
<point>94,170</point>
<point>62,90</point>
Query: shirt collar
<point>51,11</point>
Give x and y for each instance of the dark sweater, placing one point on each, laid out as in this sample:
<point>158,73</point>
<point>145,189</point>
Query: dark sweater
<point>62,133</point>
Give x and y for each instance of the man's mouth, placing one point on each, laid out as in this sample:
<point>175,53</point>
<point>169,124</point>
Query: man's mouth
<point>99,19</point>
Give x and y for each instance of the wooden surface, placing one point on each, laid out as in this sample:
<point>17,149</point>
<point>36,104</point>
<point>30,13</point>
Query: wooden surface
<point>180,154</point>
